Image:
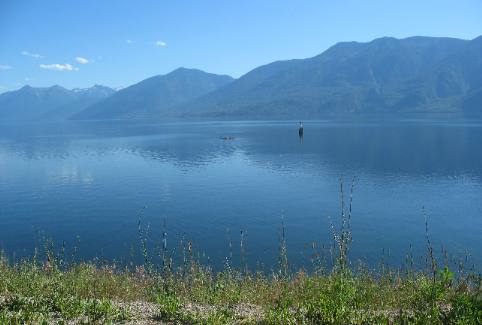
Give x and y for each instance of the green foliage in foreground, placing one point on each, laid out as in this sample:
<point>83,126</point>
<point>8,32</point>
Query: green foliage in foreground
<point>84,293</point>
<point>30,293</point>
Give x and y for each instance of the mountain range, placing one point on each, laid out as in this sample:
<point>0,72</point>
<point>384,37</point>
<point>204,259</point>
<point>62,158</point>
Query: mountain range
<point>56,102</point>
<point>386,76</point>
<point>156,96</point>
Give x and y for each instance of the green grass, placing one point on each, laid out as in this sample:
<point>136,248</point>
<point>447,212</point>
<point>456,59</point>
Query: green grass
<point>88,294</point>
<point>30,292</point>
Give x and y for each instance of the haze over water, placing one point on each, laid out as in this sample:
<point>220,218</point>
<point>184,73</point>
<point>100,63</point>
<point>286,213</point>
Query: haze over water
<point>90,180</point>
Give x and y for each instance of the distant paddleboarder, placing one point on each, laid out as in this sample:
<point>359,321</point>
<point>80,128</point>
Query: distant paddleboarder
<point>300,129</point>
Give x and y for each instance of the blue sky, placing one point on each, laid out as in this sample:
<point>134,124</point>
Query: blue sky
<point>118,43</point>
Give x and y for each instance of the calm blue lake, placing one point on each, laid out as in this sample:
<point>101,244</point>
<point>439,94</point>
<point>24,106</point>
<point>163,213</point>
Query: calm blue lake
<point>84,185</point>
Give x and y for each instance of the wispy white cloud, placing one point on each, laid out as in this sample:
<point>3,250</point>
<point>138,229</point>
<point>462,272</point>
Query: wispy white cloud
<point>59,67</point>
<point>32,55</point>
<point>5,67</point>
<point>28,79</point>
<point>82,60</point>
<point>160,43</point>
<point>129,41</point>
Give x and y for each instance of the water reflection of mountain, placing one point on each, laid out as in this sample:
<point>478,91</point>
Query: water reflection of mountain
<point>404,149</point>
<point>184,145</point>
<point>413,149</point>
<point>186,150</point>
<point>393,149</point>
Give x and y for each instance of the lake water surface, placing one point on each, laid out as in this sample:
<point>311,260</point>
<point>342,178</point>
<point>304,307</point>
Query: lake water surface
<point>83,184</point>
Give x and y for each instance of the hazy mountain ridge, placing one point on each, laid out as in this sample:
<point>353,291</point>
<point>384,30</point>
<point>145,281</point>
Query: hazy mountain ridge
<point>155,96</point>
<point>56,102</point>
<point>384,76</point>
